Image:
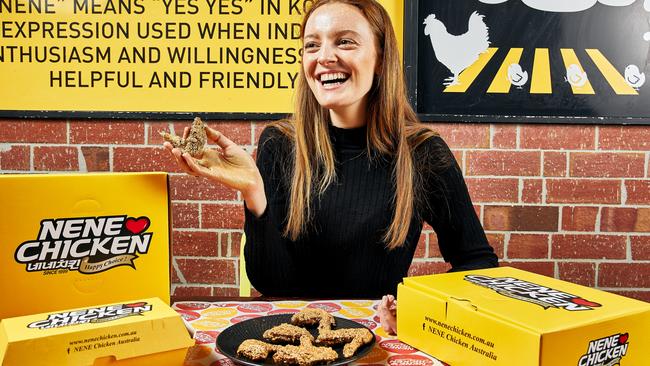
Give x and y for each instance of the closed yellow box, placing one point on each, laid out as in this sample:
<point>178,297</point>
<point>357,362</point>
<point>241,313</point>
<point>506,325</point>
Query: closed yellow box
<point>505,316</point>
<point>139,332</point>
<point>73,240</point>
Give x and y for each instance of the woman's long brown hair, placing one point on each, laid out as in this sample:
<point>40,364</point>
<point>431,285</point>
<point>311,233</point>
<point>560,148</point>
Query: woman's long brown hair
<point>393,129</point>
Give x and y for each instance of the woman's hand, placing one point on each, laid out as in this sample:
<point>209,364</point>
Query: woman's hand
<point>387,311</point>
<point>230,165</point>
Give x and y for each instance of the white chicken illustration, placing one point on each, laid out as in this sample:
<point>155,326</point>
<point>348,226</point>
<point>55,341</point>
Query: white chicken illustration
<point>634,77</point>
<point>457,52</point>
<point>575,76</point>
<point>517,76</point>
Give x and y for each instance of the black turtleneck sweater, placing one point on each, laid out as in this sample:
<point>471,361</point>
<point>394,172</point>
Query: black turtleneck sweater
<point>342,255</point>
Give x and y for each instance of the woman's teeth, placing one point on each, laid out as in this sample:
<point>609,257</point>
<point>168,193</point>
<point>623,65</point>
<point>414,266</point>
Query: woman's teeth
<point>332,78</point>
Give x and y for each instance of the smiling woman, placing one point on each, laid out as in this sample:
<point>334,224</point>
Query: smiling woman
<point>335,205</point>
<point>340,62</point>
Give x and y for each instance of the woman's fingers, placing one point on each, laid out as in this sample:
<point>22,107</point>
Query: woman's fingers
<point>219,138</point>
<point>194,166</point>
<point>388,314</point>
<point>176,153</point>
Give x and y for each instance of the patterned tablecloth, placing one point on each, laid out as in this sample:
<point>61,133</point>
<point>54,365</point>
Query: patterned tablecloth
<point>208,319</point>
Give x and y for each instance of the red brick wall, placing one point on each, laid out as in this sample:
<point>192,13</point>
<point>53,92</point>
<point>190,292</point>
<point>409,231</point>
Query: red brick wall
<point>567,201</point>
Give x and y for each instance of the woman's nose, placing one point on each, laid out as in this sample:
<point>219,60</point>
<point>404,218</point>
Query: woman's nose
<point>326,56</point>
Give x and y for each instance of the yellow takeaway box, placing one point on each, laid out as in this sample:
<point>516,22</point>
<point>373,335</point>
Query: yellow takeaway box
<point>505,316</point>
<point>73,240</point>
<point>133,333</point>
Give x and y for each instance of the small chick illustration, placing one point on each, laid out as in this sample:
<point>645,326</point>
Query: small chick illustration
<point>517,76</point>
<point>575,76</point>
<point>634,77</point>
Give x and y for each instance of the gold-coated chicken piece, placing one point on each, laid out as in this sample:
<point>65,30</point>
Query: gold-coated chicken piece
<point>255,350</point>
<point>352,337</point>
<point>288,333</point>
<point>310,316</point>
<point>307,353</point>
<point>304,355</point>
<point>195,141</point>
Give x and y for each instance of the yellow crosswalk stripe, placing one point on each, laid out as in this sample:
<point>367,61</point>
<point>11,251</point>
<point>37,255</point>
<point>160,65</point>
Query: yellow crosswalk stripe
<point>613,77</point>
<point>570,58</point>
<point>500,83</point>
<point>541,76</point>
<point>467,77</point>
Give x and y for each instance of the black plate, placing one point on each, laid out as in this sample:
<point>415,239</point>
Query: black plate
<point>231,338</point>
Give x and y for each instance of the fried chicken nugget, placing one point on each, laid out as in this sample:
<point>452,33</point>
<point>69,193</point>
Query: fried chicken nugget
<point>195,141</point>
<point>304,355</point>
<point>288,333</point>
<point>310,316</point>
<point>352,337</point>
<point>255,350</point>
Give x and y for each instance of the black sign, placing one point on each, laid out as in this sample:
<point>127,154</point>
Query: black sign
<point>556,61</point>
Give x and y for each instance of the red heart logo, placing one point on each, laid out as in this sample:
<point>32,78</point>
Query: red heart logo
<point>583,302</point>
<point>136,226</point>
<point>623,338</point>
<point>135,304</point>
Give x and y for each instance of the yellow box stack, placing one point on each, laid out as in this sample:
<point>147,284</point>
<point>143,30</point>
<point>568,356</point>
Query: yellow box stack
<point>139,332</point>
<point>505,316</point>
<point>73,240</point>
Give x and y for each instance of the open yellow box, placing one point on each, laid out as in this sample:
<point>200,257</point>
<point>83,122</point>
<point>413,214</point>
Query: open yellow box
<point>74,240</point>
<point>505,316</point>
<point>139,332</point>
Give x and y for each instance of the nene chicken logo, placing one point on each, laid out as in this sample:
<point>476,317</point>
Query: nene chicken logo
<point>531,292</point>
<point>87,244</point>
<point>91,315</point>
<point>607,351</point>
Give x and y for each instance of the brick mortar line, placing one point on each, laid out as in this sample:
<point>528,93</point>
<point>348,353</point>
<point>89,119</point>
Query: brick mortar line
<point>491,137</point>
<point>212,258</point>
<point>31,158</point>
<point>220,230</point>
<point>233,203</point>
<point>563,204</point>
<point>628,248</point>
<point>428,260</point>
<point>197,284</point>
<point>580,260</point>
<point>592,233</point>
<point>518,136</point>
<point>554,177</point>
<point>179,273</point>
<point>459,149</point>
<point>567,163</point>
<point>587,151</point>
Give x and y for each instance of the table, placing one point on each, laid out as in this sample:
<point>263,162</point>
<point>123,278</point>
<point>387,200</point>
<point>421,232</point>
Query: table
<point>208,319</point>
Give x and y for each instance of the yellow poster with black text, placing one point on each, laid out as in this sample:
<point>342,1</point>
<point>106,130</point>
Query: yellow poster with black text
<point>78,240</point>
<point>153,55</point>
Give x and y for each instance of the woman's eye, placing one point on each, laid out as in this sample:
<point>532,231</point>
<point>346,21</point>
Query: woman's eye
<point>310,45</point>
<point>346,42</point>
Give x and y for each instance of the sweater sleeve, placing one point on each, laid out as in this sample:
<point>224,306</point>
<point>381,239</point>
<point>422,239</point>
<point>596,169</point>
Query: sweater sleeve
<point>268,262</point>
<point>448,209</point>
